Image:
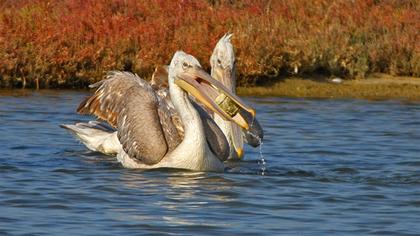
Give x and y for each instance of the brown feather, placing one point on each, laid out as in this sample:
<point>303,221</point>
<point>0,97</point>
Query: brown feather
<point>160,78</point>
<point>130,104</point>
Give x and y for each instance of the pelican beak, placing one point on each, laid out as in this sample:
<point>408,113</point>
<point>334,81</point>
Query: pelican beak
<point>227,105</point>
<point>255,133</point>
<point>224,75</point>
<point>237,140</point>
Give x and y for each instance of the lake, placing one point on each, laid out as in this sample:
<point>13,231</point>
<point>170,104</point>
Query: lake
<point>333,167</point>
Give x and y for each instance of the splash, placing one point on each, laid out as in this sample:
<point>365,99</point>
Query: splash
<point>261,161</point>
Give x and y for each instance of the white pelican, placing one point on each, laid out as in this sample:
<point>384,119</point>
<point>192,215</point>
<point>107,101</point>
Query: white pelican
<point>99,137</point>
<point>223,69</point>
<point>145,130</point>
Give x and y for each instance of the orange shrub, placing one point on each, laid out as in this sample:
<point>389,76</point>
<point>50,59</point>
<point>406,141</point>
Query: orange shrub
<point>72,43</point>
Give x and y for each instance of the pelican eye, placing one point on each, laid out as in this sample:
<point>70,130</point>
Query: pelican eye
<point>185,65</point>
<point>219,62</point>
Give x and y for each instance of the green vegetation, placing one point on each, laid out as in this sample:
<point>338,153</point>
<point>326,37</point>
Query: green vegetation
<point>72,43</point>
<point>374,87</point>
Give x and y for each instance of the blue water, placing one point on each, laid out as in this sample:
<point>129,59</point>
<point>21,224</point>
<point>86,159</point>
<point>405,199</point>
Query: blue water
<point>333,167</point>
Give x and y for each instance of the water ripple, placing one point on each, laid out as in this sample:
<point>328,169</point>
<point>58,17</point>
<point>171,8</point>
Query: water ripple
<point>333,167</point>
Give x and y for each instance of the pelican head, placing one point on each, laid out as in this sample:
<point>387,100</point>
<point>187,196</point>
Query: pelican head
<point>222,61</point>
<point>186,72</point>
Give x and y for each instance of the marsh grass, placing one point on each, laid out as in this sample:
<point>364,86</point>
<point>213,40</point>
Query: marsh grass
<point>72,43</point>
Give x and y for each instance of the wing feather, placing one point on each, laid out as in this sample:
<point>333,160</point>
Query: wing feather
<point>130,104</point>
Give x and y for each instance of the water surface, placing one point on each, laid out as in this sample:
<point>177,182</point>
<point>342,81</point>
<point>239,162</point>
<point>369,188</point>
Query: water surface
<point>333,167</point>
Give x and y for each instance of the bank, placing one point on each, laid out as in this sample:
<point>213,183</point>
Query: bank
<point>375,87</point>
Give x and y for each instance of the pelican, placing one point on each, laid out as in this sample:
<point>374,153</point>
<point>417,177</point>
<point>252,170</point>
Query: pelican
<point>102,138</point>
<point>223,69</point>
<point>147,136</point>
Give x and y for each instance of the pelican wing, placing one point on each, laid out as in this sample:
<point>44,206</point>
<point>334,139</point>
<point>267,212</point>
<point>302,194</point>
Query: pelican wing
<point>170,119</point>
<point>159,82</point>
<point>160,77</point>
<point>215,137</point>
<point>130,104</point>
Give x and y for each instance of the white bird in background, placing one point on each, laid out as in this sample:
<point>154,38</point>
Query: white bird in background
<point>223,68</point>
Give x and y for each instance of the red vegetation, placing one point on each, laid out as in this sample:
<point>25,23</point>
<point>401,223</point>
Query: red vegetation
<point>71,43</point>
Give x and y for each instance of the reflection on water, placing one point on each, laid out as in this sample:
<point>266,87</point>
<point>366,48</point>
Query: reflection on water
<point>332,167</point>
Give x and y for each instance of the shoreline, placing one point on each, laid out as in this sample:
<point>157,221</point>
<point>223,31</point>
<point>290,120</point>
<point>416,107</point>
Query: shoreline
<point>374,87</point>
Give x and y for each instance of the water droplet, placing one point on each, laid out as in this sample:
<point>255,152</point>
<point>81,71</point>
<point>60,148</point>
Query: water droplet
<point>261,162</point>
